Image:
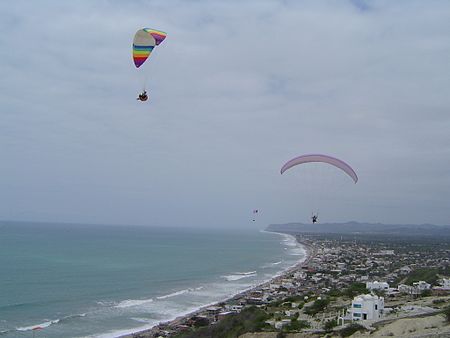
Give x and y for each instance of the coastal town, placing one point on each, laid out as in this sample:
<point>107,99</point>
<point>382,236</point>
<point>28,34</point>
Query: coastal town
<point>348,285</point>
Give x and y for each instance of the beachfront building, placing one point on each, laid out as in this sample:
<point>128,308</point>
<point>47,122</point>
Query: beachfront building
<point>256,293</point>
<point>366,307</point>
<point>377,286</point>
<point>255,301</point>
<point>213,312</point>
<point>288,285</point>
<point>224,314</point>
<point>198,320</point>
<point>235,308</point>
<point>275,285</point>
<point>299,275</point>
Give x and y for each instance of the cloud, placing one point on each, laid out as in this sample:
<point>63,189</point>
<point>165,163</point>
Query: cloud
<point>236,89</point>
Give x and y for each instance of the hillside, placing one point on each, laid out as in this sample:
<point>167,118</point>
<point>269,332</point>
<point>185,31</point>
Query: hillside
<point>397,230</point>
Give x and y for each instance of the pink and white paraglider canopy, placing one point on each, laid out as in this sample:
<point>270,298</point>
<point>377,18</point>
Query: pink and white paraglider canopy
<point>321,158</point>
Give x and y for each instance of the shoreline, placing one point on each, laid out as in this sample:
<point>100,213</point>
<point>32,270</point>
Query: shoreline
<point>310,253</point>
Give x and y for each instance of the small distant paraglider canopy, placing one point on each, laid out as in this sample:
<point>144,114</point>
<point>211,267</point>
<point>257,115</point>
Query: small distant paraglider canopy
<point>321,158</point>
<point>143,43</point>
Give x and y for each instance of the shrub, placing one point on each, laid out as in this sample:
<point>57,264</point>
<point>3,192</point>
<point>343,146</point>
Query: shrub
<point>447,313</point>
<point>428,275</point>
<point>351,329</point>
<point>426,293</point>
<point>251,319</point>
<point>330,324</point>
<point>296,325</point>
<point>317,306</point>
<point>293,299</point>
<point>201,322</point>
<point>380,293</point>
<point>334,293</point>
<point>355,289</point>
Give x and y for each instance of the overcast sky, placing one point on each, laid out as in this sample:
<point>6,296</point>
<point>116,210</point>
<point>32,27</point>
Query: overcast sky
<point>236,90</point>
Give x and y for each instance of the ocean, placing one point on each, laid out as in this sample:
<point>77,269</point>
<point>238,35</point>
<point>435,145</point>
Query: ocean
<point>103,281</point>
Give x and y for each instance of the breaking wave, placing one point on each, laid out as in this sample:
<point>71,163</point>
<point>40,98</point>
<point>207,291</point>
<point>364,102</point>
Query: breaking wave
<point>178,293</point>
<point>38,326</point>
<point>133,302</point>
<point>240,275</point>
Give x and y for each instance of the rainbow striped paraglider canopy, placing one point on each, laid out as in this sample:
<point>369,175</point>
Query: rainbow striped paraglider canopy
<point>143,43</point>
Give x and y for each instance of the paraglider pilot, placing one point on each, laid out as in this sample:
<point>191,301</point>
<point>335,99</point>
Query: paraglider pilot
<point>143,96</point>
<point>314,219</point>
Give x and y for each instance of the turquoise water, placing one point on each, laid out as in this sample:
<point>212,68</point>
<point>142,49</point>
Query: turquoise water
<point>101,281</point>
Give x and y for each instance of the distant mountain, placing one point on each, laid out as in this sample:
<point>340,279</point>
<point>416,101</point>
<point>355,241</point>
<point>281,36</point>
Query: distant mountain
<point>401,230</point>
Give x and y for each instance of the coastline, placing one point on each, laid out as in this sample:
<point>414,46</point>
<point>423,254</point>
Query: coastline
<point>310,253</point>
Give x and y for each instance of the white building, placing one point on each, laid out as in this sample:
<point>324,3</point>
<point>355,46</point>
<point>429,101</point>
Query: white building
<point>405,270</point>
<point>364,278</point>
<point>299,275</point>
<point>279,324</point>
<point>377,285</point>
<point>367,307</point>
<point>403,288</point>
<point>421,286</point>
<point>288,285</point>
<point>212,312</point>
<point>444,286</point>
<point>341,265</point>
<point>224,314</point>
<point>275,286</point>
<point>385,253</point>
<point>235,308</point>
<point>416,289</point>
